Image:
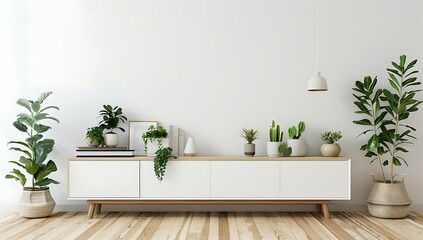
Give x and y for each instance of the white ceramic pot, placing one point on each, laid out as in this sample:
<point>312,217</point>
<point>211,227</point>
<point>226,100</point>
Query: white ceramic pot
<point>250,149</point>
<point>330,150</point>
<point>111,139</point>
<point>94,143</point>
<point>388,200</point>
<point>273,149</point>
<point>190,149</point>
<point>298,146</point>
<point>36,203</point>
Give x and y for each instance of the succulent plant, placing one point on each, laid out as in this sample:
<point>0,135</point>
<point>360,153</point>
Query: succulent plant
<point>249,134</point>
<point>285,150</point>
<point>331,137</point>
<point>295,133</point>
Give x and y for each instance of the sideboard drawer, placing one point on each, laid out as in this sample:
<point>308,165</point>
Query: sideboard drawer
<point>104,179</point>
<point>315,180</point>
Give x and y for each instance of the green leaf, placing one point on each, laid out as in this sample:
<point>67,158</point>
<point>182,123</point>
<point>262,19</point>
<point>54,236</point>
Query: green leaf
<point>402,60</point>
<point>20,126</point>
<point>22,151</point>
<point>394,85</point>
<point>45,182</point>
<point>24,103</point>
<point>40,128</point>
<point>396,162</point>
<point>397,67</point>
<point>385,163</point>
<point>20,165</point>
<point>36,106</point>
<point>46,170</point>
<point>50,107</point>
<point>19,143</point>
<point>401,149</point>
<point>364,122</point>
<point>373,143</point>
<point>410,65</point>
<point>21,177</point>
<point>394,72</point>
<point>43,96</point>
<point>31,168</point>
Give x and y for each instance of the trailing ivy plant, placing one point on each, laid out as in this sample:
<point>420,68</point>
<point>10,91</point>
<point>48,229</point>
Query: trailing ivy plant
<point>162,154</point>
<point>35,148</point>
<point>385,112</point>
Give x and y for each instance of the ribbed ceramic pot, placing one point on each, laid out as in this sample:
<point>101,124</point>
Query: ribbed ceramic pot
<point>298,146</point>
<point>273,149</point>
<point>36,203</point>
<point>111,139</point>
<point>330,150</point>
<point>249,149</point>
<point>388,200</point>
<point>94,143</point>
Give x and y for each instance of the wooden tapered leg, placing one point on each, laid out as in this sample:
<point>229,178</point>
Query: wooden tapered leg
<point>91,211</point>
<point>325,209</point>
<point>319,208</point>
<point>97,208</point>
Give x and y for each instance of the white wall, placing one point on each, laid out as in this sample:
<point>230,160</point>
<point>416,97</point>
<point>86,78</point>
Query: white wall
<point>208,67</point>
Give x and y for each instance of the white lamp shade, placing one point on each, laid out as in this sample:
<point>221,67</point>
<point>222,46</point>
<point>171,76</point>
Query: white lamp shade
<point>317,83</point>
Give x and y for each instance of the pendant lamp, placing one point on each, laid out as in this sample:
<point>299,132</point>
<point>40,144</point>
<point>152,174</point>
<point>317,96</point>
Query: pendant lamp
<point>317,83</point>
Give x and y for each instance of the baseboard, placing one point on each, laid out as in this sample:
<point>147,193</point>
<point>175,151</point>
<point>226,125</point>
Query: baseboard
<point>335,206</point>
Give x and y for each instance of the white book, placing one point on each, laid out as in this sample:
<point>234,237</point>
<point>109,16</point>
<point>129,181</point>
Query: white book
<point>174,140</point>
<point>181,143</point>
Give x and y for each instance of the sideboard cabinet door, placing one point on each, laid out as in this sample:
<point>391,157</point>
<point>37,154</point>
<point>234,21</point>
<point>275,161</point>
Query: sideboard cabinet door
<point>182,179</point>
<point>315,180</point>
<point>245,179</point>
<point>104,179</point>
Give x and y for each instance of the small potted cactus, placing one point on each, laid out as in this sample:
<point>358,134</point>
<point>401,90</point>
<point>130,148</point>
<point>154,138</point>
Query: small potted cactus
<point>297,144</point>
<point>275,147</point>
<point>250,135</point>
<point>330,148</point>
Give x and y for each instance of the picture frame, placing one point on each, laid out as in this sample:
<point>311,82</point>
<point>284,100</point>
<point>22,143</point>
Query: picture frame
<point>136,129</point>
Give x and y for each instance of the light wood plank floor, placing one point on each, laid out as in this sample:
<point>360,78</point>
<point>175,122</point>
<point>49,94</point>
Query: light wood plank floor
<point>206,225</point>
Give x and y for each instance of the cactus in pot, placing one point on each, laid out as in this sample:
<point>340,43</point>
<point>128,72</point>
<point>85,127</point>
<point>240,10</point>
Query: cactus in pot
<point>275,147</point>
<point>297,144</point>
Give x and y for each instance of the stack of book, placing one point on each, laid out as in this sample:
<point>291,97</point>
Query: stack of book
<point>104,152</point>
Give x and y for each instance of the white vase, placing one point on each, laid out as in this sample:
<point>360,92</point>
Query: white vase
<point>36,203</point>
<point>111,139</point>
<point>298,146</point>
<point>330,150</point>
<point>273,149</point>
<point>190,149</point>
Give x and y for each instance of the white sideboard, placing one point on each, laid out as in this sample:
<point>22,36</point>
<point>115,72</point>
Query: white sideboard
<point>211,180</point>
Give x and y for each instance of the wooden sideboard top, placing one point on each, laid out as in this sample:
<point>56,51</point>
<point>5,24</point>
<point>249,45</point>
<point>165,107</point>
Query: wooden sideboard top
<point>213,158</point>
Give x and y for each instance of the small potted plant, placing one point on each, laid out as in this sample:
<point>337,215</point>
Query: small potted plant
<point>275,147</point>
<point>36,200</point>
<point>95,136</point>
<point>297,144</point>
<point>330,148</point>
<point>250,135</point>
<point>162,154</point>
<point>111,117</point>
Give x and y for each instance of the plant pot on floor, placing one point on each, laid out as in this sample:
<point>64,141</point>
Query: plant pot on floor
<point>387,200</point>
<point>298,146</point>
<point>330,150</point>
<point>249,149</point>
<point>111,139</point>
<point>273,149</point>
<point>36,203</point>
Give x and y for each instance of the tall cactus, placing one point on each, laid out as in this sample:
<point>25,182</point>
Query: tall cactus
<point>275,133</point>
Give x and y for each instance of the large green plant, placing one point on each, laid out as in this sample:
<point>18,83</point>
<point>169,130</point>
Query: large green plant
<point>162,154</point>
<point>35,148</point>
<point>386,111</point>
<point>111,117</point>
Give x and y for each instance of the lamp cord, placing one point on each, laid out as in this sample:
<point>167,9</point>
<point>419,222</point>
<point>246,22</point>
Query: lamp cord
<point>317,35</point>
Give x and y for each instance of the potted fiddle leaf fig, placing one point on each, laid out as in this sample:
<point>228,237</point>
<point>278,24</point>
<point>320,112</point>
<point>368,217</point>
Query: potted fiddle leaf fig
<point>250,135</point>
<point>95,136</point>
<point>111,116</point>
<point>36,200</point>
<point>296,143</point>
<point>162,154</point>
<point>385,113</point>
<point>330,148</point>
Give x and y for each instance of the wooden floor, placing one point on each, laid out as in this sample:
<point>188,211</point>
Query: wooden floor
<point>205,225</point>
